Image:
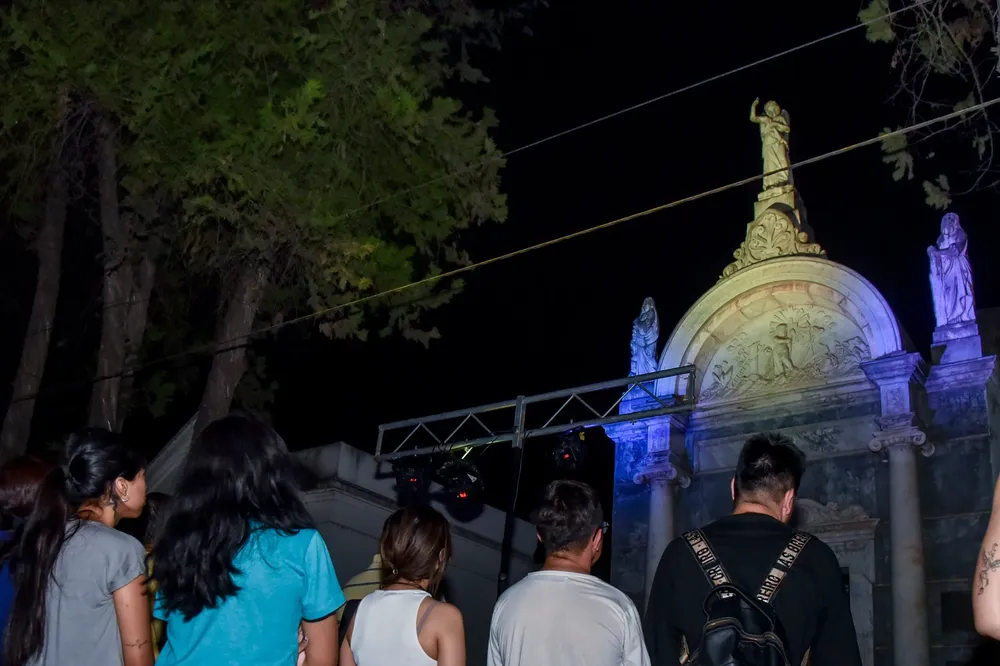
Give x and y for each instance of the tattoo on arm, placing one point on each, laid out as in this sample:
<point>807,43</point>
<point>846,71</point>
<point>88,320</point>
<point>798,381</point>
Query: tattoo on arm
<point>990,563</point>
<point>138,644</point>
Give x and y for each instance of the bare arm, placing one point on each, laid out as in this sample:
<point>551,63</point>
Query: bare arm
<point>321,641</point>
<point>346,656</point>
<point>986,589</point>
<point>132,611</point>
<point>451,636</point>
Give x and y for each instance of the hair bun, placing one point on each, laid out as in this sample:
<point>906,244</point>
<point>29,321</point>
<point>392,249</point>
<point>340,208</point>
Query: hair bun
<point>75,468</point>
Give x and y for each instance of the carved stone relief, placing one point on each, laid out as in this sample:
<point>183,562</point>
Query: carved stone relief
<point>820,440</point>
<point>795,347</point>
<point>773,234</point>
<point>812,514</point>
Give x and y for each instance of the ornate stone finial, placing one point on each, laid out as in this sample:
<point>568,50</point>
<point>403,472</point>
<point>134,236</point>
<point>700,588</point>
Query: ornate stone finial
<point>773,234</point>
<point>951,275</point>
<point>775,128</point>
<point>645,334</point>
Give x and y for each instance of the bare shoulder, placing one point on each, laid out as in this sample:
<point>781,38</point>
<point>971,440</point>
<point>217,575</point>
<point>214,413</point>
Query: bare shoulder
<point>445,615</point>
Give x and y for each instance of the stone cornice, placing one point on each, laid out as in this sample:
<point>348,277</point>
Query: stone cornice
<point>895,368</point>
<point>854,530</point>
<point>627,431</point>
<point>851,390</point>
<point>962,374</point>
<point>842,523</point>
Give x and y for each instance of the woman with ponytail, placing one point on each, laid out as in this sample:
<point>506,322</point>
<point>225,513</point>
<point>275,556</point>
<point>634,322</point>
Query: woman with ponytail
<point>79,584</point>
<point>402,624</point>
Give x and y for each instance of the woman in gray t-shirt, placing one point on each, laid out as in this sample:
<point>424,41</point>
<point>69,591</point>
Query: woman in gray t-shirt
<point>79,584</point>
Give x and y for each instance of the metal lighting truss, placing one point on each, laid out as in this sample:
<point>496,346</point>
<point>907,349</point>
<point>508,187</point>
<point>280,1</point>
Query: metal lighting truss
<point>447,440</point>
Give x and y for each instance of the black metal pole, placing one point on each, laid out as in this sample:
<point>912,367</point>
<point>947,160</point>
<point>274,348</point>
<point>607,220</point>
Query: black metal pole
<point>517,451</point>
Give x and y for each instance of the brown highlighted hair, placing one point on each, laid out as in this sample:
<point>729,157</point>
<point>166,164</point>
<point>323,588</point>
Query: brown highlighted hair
<point>19,482</point>
<point>413,541</point>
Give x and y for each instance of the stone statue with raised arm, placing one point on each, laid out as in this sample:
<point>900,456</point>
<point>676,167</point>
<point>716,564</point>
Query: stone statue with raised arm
<point>775,127</point>
<point>645,333</point>
<point>951,275</point>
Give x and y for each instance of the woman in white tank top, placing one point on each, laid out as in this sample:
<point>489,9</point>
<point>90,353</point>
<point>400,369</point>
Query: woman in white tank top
<point>401,624</point>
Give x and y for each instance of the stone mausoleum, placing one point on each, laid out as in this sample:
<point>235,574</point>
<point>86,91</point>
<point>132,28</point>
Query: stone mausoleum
<point>901,453</point>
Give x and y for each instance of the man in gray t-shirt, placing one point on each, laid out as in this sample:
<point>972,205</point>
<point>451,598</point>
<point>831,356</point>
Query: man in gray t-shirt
<point>81,626</point>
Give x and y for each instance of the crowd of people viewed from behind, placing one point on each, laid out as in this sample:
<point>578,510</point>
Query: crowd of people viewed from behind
<point>231,570</point>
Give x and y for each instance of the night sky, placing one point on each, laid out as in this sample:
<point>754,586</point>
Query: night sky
<point>562,316</point>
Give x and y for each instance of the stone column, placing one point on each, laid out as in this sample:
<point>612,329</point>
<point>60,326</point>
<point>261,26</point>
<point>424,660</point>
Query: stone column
<point>661,475</point>
<point>665,447</point>
<point>899,379</point>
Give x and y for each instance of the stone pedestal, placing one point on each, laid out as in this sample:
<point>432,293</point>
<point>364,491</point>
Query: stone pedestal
<point>661,475</point>
<point>956,342</point>
<point>899,379</point>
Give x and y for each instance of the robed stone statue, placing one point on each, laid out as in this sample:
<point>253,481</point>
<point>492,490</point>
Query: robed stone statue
<point>951,274</point>
<point>775,127</point>
<point>645,333</point>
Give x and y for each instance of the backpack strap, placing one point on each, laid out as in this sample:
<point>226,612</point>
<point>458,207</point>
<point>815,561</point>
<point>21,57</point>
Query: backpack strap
<point>782,565</point>
<point>706,558</point>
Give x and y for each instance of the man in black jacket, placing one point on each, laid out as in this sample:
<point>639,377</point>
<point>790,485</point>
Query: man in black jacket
<point>812,606</point>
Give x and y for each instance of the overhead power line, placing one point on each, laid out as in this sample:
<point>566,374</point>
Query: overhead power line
<point>219,347</point>
<point>628,109</point>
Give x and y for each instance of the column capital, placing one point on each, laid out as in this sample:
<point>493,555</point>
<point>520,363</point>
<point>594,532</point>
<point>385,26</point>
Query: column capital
<point>658,467</point>
<point>900,431</point>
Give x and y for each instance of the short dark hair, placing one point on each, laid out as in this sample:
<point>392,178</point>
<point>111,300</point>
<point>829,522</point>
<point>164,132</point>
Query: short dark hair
<point>568,516</point>
<point>770,465</point>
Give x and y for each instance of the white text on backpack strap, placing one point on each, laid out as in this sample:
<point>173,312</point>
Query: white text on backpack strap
<point>780,569</point>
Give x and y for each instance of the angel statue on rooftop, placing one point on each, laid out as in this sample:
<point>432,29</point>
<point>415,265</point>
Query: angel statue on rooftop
<point>775,127</point>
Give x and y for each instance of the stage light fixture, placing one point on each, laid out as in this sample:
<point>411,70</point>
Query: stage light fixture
<point>412,484</point>
<point>461,480</point>
<point>571,451</point>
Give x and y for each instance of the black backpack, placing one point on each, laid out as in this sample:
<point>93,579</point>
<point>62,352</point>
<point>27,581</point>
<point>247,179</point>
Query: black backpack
<point>741,630</point>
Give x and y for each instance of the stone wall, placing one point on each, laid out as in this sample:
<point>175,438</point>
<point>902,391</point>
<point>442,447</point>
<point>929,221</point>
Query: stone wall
<point>955,484</point>
<point>956,489</point>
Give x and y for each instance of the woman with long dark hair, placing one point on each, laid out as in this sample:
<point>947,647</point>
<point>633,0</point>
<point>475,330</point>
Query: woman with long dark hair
<point>402,624</point>
<point>238,563</point>
<point>79,584</point>
<point>20,479</point>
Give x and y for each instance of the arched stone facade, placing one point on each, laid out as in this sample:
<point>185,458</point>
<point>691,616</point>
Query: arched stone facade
<point>782,324</point>
<point>790,341</point>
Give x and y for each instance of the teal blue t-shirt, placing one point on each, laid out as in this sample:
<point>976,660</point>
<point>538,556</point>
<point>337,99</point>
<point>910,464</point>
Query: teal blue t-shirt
<point>283,580</point>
